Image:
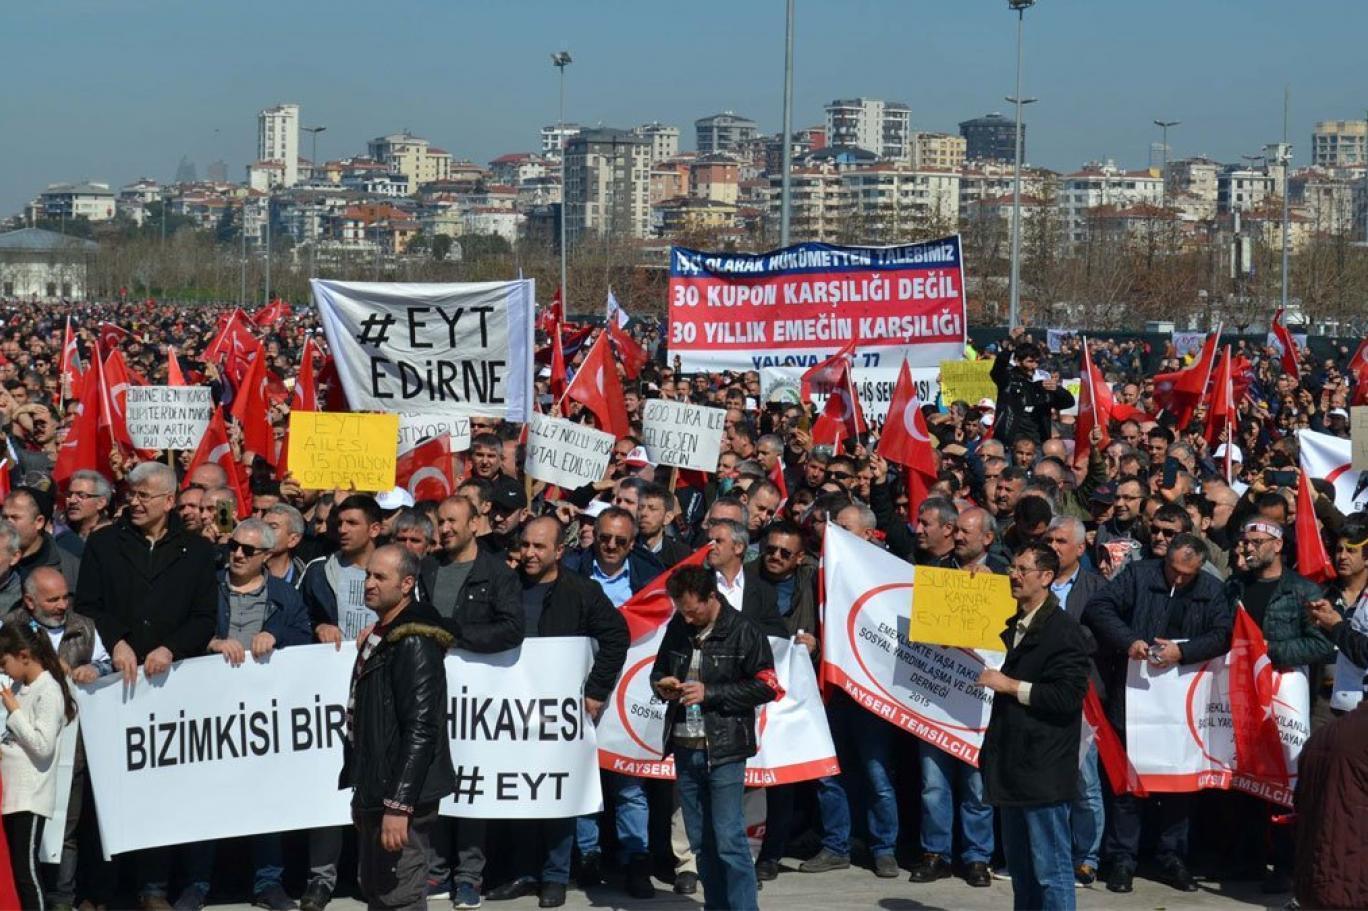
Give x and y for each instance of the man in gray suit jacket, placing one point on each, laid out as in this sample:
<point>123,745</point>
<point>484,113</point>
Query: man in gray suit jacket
<point>1073,586</point>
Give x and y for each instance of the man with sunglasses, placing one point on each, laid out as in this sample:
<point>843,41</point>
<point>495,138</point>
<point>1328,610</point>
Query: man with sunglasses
<point>1166,611</point>
<point>257,614</point>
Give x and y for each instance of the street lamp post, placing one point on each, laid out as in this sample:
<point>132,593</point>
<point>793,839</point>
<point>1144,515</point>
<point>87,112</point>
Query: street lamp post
<point>786,182</point>
<point>313,219</point>
<point>1285,160</point>
<point>560,61</point>
<point>1163,126</point>
<point>1020,6</point>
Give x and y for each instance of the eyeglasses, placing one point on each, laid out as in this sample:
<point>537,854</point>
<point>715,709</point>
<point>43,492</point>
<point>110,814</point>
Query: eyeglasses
<point>248,550</point>
<point>1022,570</point>
<point>145,496</point>
<point>80,495</point>
<point>772,549</point>
<point>610,540</point>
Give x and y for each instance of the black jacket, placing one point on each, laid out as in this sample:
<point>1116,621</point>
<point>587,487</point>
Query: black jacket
<point>642,565</point>
<point>163,595</point>
<point>1136,605</point>
<point>760,603</point>
<point>577,607</point>
<point>398,755</point>
<point>1030,752</point>
<point>803,613</point>
<point>672,550</point>
<point>1024,406</point>
<point>49,554</point>
<point>488,615</point>
<point>737,672</point>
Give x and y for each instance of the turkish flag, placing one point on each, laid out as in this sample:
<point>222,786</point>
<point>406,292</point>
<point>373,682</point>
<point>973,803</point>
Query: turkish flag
<point>558,372</point>
<point>112,336</point>
<point>553,316</point>
<point>214,448</point>
<point>1258,748</point>
<point>906,439</point>
<point>305,396</point>
<point>251,410</point>
<point>1288,354</point>
<point>597,387</point>
<point>841,416</point>
<point>115,379</point>
<point>1110,751</point>
<point>649,608</point>
<point>776,477</point>
<point>269,317</point>
<point>233,346</point>
<point>1359,362</point>
<point>828,373</point>
<point>71,362</point>
<point>426,470</point>
<point>1094,408</point>
<point>174,377</point>
<point>1181,391</point>
<point>84,446</point>
<point>1221,412</point>
<point>633,356</point>
<point>1312,560</point>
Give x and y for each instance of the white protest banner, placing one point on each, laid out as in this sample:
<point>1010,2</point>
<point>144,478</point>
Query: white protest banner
<point>792,735</point>
<point>927,690</point>
<point>566,454</point>
<point>54,833</point>
<point>416,427</point>
<point>1185,343</point>
<point>682,435</point>
<point>458,348</point>
<point>1179,733</point>
<point>1331,458</point>
<point>873,387</point>
<point>1054,339</point>
<point>207,735</point>
<point>168,417</point>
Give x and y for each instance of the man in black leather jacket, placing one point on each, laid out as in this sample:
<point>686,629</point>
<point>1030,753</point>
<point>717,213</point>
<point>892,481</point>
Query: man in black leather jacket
<point>710,726</point>
<point>395,757</point>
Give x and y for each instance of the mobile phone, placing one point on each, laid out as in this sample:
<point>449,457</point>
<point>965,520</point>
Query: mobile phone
<point>1155,654</point>
<point>1279,477</point>
<point>1170,478</point>
<point>225,519</point>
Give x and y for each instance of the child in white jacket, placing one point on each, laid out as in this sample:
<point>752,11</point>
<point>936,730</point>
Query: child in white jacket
<point>39,706</point>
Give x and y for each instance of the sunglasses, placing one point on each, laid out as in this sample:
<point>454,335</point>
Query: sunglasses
<point>609,540</point>
<point>248,550</point>
<point>839,475</point>
<point>773,549</point>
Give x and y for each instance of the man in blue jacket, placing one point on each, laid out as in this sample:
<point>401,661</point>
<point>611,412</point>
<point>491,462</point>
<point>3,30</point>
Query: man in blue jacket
<point>257,613</point>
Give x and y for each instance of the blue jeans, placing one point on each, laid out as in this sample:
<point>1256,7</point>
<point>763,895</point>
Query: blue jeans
<point>1036,842</point>
<point>559,838</point>
<point>587,834</point>
<point>268,862</point>
<point>1086,814</point>
<point>941,772</point>
<point>710,796</point>
<point>632,814</point>
<point>864,746</point>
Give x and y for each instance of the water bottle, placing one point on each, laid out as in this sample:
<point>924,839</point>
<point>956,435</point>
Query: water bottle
<point>693,721</point>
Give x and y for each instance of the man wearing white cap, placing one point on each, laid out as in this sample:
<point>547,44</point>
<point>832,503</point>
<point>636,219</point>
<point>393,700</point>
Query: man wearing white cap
<point>1236,464</point>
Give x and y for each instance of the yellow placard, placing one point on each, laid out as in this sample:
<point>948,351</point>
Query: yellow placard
<point>966,381</point>
<point>343,451</point>
<point>953,607</point>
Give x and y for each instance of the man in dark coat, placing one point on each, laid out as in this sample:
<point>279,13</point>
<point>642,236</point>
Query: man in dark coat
<point>149,586</point>
<point>1332,831</point>
<point>561,603</point>
<point>395,757</point>
<point>1140,615</point>
<point>1030,750</point>
<point>1024,403</point>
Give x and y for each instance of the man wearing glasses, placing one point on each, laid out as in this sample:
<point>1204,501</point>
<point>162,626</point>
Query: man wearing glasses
<point>257,614</point>
<point>87,504</point>
<point>1167,612</point>
<point>149,586</point>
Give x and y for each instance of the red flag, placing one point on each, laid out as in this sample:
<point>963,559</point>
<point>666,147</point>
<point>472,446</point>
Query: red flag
<point>112,336</point>
<point>553,316</point>
<point>776,477</point>
<point>1312,560</point>
<point>828,373</point>
<point>597,387</point>
<point>1181,391</point>
<point>1359,362</point>
<point>633,356</point>
<point>233,346</point>
<point>572,338</point>
<point>841,416</point>
<point>71,361</point>
<point>305,396</point>
<point>1258,748</point>
<point>906,439</point>
<point>558,373</point>
<point>214,448</point>
<point>81,448</point>
<point>114,381</point>
<point>1288,354</point>
<point>1110,752</point>
<point>1221,414</point>
<point>1094,408</point>
<point>174,377</point>
<point>650,608</point>
<point>251,410</point>
<point>426,470</point>
<point>269,317</point>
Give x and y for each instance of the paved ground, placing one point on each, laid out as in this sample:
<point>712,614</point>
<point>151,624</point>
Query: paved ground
<point>857,888</point>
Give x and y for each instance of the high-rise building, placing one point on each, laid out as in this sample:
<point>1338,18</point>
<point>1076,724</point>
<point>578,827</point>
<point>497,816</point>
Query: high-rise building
<point>555,136</point>
<point>877,126</point>
<point>412,156</point>
<point>992,137</point>
<point>1335,143</point>
<point>939,151</point>
<point>724,132</point>
<point>278,139</point>
<point>607,184</point>
<point>664,139</point>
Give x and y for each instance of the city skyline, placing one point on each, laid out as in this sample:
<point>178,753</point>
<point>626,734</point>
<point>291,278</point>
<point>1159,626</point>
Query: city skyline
<point>113,116</point>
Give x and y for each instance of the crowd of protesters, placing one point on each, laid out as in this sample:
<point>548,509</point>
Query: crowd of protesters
<point>1139,550</point>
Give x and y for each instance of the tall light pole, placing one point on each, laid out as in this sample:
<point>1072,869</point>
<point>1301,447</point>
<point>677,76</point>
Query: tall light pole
<point>1285,160</point>
<point>560,61</point>
<point>313,159</point>
<point>1015,287</point>
<point>786,182</point>
<point>1163,126</point>
<point>266,294</point>
<point>313,219</point>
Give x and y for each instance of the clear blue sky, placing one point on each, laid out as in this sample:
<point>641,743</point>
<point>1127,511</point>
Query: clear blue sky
<point>116,90</point>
